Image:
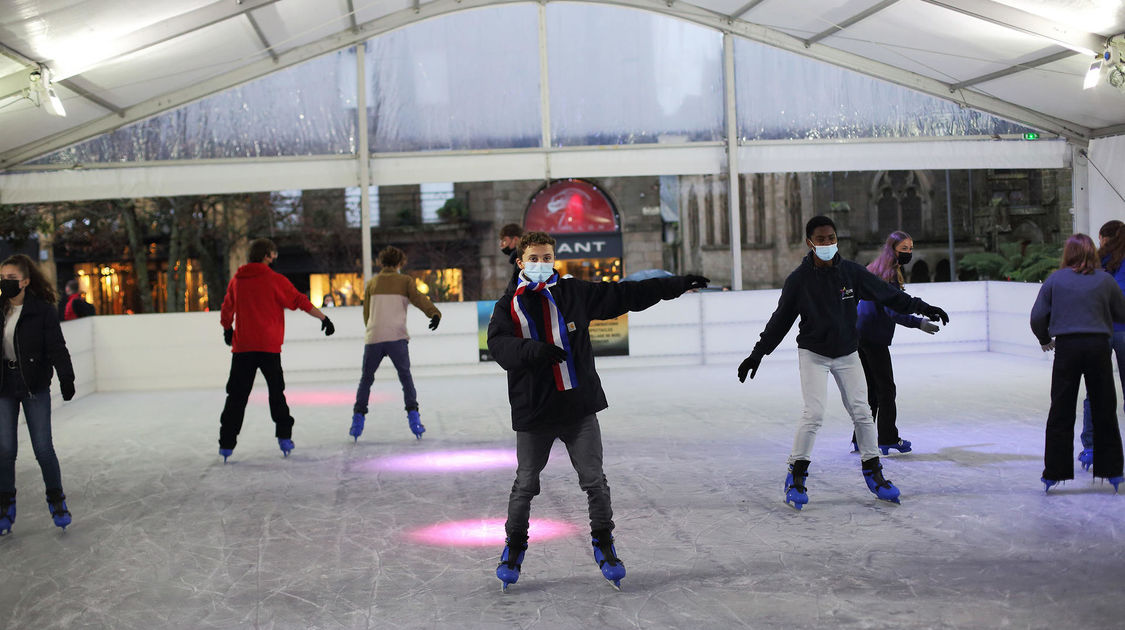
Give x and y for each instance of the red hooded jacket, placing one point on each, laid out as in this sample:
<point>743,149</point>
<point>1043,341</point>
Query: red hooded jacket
<point>257,297</point>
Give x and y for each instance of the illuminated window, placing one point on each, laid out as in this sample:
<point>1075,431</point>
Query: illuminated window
<point>335,289</point>
<point>441,285</point>
<point>592,269</point>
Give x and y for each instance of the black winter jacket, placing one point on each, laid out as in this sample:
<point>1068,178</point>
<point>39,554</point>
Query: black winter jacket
<point>536,403</point>
<point>825,298</point>
<point>39,346</point>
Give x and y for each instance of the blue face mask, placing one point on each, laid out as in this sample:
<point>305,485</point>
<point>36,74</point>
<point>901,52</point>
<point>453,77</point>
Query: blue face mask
<point>826,252</point>
<point>538,271</point>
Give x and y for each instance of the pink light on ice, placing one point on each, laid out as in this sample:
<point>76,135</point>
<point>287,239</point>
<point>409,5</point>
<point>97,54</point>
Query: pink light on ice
<point>320,398</point>
<point>446,461</point>
<point>485,532</point>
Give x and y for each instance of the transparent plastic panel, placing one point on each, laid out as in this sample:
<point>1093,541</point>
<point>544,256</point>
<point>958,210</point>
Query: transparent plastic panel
<point>624,76</point>
<point>469,80</point>
<point>786,96</point>
<point>308,109</point>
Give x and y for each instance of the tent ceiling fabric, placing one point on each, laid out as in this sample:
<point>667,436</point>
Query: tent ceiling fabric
<point>118,61</point>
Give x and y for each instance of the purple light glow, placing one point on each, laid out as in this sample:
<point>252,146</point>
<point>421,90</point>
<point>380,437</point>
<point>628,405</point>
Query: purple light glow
<point>317,398</point>
<point>445,461</point>
<point>485,532</point>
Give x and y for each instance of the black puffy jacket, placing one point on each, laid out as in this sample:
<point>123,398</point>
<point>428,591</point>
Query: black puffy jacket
<point>40,347</point>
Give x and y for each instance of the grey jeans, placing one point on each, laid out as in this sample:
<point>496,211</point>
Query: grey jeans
<point>848,372</point>
<point>583,440</point>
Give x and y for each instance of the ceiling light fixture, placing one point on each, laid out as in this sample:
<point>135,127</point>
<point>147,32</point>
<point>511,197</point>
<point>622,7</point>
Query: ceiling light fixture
<point>44,90</point>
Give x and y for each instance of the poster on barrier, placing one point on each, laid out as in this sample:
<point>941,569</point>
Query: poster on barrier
<point>609,338</point>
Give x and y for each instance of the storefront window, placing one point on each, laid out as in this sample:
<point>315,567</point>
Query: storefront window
<point>592,269</point>
<point>112,287</point>
<point>335,289</point>
<point>441,285</point>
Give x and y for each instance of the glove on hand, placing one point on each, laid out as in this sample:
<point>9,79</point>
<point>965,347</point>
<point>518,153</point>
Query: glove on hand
<point>934,313</point>
<point>327,327</point>
<point>228,335</point>
<point>434,321</point>
<point>749,364</point>
<point>549,353</point>
<point>694,282</point>
<point>67,389</point>
<point>927,327</point>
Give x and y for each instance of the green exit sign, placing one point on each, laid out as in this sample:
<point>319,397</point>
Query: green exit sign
<point>1031,135</point>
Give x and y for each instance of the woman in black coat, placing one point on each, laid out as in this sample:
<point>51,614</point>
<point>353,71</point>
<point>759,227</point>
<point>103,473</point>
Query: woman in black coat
<point>33,347</point>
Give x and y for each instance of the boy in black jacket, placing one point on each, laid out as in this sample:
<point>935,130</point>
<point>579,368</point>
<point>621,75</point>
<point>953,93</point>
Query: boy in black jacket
<point>824,291</point>
<point>539,334</point>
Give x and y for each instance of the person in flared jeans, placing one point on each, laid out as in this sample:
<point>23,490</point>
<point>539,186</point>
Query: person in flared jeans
<point>1082,357</point>
<point>1087,436</point>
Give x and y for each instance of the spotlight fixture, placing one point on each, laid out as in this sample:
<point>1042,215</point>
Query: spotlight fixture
<point>1110,64</point>
<point>44,90</point>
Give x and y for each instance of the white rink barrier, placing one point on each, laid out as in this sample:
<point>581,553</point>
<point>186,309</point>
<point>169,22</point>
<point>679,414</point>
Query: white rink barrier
<point>186,350</point>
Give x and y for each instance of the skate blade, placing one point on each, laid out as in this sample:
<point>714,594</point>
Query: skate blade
<point>795,505</point>
<point>616,584</point>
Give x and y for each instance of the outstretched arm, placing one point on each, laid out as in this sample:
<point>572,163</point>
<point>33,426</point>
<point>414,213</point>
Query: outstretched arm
<point>871,287</point>
<point>607,300</point>
<point>776,328</point>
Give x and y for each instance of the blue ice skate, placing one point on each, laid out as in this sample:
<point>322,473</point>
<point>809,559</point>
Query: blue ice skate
<point>876,483</point>
<point>415,420</point>
<point>1115,481</point>
<point>606,556</point>
<point>903,446</point>
<point>7,513</point>
<point>1049,483</point>
<point>226,452</point>
<point>286,446</point>
<point>357,426</point>
<point>796,495</point>
<point>509,568</point>
<point>1086,458</point>
<point>56,503</point>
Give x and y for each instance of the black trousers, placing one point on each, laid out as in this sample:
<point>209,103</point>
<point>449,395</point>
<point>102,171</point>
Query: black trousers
<point>1082,357</point>
<point>244,367</point>
<point>881,389</point>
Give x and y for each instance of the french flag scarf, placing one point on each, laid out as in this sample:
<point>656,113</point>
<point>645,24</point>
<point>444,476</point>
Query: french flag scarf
<point>555,333</point>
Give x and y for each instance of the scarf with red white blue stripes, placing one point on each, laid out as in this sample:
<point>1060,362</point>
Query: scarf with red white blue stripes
<point>553,323</point>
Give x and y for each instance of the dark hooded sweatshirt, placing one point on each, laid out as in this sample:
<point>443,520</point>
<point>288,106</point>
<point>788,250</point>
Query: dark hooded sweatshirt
<point>825,298</point>
<point>536,402</point>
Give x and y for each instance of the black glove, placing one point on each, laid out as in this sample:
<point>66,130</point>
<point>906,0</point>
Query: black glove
<point>228,335</point>
<point>434,321</point>
<point>327,327</point>
<point>694,282</point>
<point>934,313</point>
<point>749,364</point>
<point>549,353</point>
<point>67,389</point>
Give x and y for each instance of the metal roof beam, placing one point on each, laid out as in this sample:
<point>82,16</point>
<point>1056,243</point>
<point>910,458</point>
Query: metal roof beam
<point>351,15</point>
<point>746,8</point>
<point>261,36</point>
<point>1019,67</point>
<point>166,31</point>
<point>858,17</point>
<point>80,87</point>
<point>1105,132</point>
<point>1024,22</point>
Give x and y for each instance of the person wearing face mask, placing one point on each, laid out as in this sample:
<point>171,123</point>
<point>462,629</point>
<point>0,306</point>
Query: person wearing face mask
<point>539,333</point>
<point>510,236</point>
<point>253,321</point>
<point>876,326</point>
<point>823,292</point>
<point>33,348</point>
<point>386,300</point>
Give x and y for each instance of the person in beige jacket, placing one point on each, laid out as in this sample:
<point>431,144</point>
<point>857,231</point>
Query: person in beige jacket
<point>385,301</point>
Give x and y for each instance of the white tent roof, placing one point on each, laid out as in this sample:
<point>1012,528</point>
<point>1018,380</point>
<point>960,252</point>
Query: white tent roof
<point>115,62</point>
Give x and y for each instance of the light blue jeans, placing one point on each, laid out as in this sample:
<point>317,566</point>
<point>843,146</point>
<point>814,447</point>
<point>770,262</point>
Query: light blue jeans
<point>1118,342</point>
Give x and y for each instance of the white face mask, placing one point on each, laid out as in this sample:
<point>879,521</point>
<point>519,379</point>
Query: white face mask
<point>826,252</point>
<point>538,271</point>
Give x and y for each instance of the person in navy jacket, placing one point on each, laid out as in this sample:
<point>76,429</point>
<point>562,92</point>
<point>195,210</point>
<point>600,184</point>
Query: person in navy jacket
<point>876,327</point>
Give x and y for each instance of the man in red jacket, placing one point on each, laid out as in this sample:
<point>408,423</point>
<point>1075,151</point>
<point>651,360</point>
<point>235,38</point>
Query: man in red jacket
<point>257,297</point>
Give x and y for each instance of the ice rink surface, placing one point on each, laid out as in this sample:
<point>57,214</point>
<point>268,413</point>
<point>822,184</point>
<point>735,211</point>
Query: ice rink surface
<point>336,536</point>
